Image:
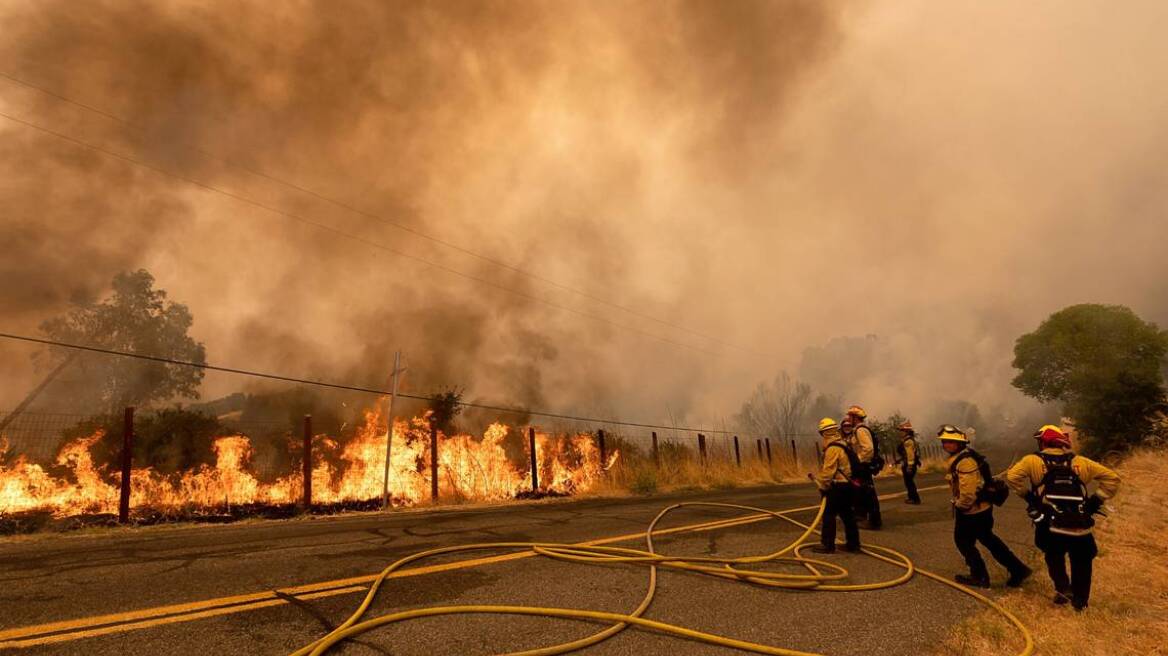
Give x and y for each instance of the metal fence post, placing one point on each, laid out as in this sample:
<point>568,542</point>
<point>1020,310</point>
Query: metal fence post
<point>737,454</point>
<point>656,453</point>
<point>603,450</point>
<point>534,460</point>
<point>307,463</point>
<point>758,447</point>
<point>767,442</point>
<point>127,456</point>
<point>433,461</point>
<point>702,447</point>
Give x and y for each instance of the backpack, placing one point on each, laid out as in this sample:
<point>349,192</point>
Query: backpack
<point>876,464</point>
<point>1064,493</point>
<point>992,490</point>
<point>853,462</point>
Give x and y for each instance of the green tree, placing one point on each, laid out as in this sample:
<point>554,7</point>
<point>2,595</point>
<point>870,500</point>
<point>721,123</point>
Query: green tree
<point>886,429</point>
<point>139,319</point>
<point>1104,364</point>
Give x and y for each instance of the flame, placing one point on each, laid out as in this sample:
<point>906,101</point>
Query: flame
<point>469,468</point>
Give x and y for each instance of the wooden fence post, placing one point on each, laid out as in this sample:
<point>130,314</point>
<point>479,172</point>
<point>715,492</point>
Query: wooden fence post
<point>737,453</point>
<point>767,442</point>
<point>534,460</point>
<point>656,453</point>
<point>434,461</point>
<point>127,457</point>
<point>603,449</point>
<point>307,463</point>
<point>702,447</point>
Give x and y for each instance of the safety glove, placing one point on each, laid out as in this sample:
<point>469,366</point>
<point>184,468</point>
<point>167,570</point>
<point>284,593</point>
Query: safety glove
<point>1093,505</point>
<point>1035,514</point>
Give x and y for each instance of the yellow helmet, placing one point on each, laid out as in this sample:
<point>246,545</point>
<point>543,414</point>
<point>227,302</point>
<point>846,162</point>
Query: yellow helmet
<point>826,424</point>
<point>951,433</point>
<point>857,411</point>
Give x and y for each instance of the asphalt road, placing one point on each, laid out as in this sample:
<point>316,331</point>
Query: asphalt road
<point>248,588</point>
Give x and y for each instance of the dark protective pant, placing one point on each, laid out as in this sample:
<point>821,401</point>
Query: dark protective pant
<point>839,504</point>
<point>968,530</point>
<point>1081,549</point>
<point>910,482</point>
<point>867,501</point>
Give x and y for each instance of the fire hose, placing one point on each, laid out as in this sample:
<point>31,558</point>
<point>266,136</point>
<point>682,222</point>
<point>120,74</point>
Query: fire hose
<point>815,574</point>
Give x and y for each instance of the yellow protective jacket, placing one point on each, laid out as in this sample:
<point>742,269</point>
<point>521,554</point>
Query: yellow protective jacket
<point>1026,476</point>
<point>836,467</point>
<point>909,445</point>
<point>964,484</point>
<point>861,441</point>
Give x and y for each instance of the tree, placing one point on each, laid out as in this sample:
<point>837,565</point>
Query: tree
<point>1104,364</point>
<point>139,319</point>
<point>169,440</point>
<point>777,409</point>
<point>886,430</point>
<point>445,405</point>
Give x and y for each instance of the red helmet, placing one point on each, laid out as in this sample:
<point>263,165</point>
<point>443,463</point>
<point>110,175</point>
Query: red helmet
<point>1052,437</point>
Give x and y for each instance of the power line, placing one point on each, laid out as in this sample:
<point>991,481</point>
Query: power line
<point>353,388</point>
<point>348,235</point>
<point>377,217</point>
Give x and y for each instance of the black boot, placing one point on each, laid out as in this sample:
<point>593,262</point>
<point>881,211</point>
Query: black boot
<point>1017,577</point>
<point>973,581</point>
<point>823,549</point>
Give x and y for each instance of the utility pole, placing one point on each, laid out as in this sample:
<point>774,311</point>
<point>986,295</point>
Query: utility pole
<point>396,378</point>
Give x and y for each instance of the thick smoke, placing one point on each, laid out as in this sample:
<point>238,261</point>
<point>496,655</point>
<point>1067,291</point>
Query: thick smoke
<point>776,174</point>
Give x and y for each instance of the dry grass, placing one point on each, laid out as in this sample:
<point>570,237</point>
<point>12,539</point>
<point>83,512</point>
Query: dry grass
<point>681,469</point>
<point>636,473</point>
<point>1129,598</point>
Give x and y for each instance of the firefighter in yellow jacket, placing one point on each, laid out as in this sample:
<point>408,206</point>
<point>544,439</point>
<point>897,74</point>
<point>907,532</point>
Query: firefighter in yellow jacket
<point>835,482</point>
<point>973,515</point>
<point>908,456</point>
<point>1054,483</point>
<point>860,438</point>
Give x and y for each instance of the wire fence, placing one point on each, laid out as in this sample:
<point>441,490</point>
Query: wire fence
<point>230,456</point>
<point>200,452</point>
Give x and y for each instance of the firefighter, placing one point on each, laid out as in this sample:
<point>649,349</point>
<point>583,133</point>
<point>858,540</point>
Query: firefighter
<point>860,437</point>
<point>974,515</point>
<point>836,483</point>
<point>1054,482</point>
<point>908,456</point>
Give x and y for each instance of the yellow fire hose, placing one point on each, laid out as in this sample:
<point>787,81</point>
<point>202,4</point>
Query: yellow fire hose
<point>816,575</point>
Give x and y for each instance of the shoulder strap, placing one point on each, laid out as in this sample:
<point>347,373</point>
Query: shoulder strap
<point>983,467</point>
<point>853,461</point>
<point>960,456</point>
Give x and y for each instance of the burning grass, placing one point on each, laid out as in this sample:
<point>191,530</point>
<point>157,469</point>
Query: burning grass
<point>1129,598</point>
<point>76,491</point>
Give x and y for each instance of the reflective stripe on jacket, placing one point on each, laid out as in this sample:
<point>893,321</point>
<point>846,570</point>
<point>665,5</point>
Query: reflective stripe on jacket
<point>1026,476</point>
